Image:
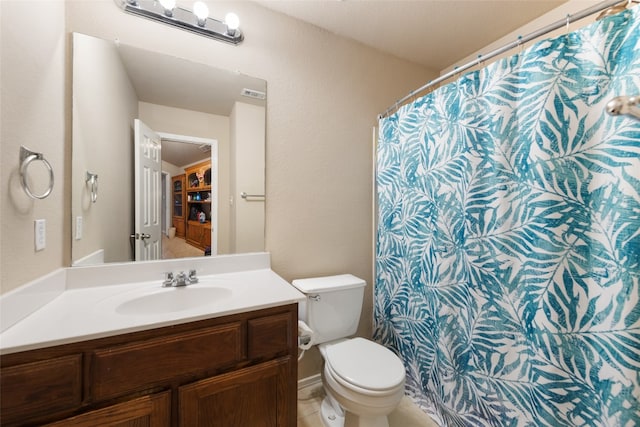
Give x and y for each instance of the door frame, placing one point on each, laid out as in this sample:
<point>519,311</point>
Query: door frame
<point>214,177</point>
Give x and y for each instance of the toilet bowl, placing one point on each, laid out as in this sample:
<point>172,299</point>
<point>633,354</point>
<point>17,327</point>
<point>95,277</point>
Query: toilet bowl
<point>364,382</point>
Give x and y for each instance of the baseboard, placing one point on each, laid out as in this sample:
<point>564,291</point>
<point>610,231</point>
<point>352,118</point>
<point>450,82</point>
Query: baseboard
<point>309,381</point>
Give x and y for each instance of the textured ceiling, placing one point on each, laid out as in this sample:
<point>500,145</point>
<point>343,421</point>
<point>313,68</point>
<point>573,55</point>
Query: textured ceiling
<point>434,33</point>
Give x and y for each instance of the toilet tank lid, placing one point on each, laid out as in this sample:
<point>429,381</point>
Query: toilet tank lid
<point>319,284</point>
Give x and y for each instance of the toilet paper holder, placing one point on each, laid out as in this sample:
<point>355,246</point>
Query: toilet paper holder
<point>305,336</point>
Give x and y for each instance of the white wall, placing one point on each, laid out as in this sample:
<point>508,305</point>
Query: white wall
<point>104,107</point>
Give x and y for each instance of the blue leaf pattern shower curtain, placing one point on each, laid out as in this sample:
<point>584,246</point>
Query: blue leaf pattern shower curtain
<point>508,242</point>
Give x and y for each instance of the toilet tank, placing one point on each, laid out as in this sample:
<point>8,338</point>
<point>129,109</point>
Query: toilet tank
<point>332,307</point>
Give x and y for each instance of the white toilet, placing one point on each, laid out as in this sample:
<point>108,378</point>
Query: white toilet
<point>363,380</point>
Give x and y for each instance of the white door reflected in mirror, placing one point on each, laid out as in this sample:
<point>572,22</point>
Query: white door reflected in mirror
<point>148,168</point>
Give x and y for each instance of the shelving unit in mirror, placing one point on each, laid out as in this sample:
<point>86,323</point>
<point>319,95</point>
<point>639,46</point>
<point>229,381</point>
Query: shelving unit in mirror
<point>198,191</point>
<point>179,196</point>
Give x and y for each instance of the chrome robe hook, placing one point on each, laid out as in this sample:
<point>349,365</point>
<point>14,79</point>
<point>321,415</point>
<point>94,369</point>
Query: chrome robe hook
<point>92,180</point>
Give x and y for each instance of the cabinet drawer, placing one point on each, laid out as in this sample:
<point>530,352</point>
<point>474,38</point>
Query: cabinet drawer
<point>120,369</point>
<point>37,388</point>
<point>269,335</point>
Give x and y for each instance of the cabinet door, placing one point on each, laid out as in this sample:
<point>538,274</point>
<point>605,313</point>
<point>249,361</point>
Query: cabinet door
<point>146,411</point>
<point>194,233</point>
<point>206,236</point>
<point>178,223</point>
<point>257,396</point>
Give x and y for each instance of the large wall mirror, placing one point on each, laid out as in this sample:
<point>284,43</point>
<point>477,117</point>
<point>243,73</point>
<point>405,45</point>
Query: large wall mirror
<point>167,157</point>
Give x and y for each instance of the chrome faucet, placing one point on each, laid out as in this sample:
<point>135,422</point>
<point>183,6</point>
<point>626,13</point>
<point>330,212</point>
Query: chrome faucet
<point>180,279</point>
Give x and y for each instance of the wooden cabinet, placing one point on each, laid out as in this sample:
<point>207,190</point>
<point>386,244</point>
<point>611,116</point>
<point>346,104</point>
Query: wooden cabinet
<point>238,370</point>
<point>199,197</point>
<point>178,204</point>
<point>199,234</point>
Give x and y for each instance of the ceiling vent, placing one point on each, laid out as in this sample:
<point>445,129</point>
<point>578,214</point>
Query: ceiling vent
<point>255,94</point>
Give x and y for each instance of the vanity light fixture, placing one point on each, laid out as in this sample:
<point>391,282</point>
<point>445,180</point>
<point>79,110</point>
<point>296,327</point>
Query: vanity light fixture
<point>233,23</point>
<point>198,21</point>
<point>168,6</point>
<point>201,11</point>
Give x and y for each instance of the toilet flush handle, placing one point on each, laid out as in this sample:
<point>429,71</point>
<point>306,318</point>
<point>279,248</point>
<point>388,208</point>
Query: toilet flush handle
<point>315,298</point>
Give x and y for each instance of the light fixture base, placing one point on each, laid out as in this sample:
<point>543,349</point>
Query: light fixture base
<point>183,19</point>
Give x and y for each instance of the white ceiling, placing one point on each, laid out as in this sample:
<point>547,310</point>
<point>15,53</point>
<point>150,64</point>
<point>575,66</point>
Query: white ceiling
<point>434,33</point>
<point>176,82</point>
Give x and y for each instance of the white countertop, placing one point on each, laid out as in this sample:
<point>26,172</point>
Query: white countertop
<point>82,313</point>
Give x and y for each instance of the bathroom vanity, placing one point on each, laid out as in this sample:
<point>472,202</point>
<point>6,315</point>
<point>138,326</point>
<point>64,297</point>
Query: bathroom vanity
<point>126,356</point>
<point>237,370</point>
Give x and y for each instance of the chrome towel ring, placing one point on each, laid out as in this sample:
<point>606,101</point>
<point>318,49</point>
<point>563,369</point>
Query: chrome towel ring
<point>26,157</point>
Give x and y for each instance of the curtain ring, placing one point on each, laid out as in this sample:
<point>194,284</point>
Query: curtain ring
<point>26,157</point>
<point>568,21</point>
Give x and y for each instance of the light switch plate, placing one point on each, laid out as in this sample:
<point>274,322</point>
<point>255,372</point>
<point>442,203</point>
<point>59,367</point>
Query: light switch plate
<point>78,228</point>
<point>40,234</point>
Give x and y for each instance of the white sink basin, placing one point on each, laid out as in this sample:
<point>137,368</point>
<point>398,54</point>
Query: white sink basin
<point>170,300</point>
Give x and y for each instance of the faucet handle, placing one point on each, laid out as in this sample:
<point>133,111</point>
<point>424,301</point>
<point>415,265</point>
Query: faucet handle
<point>168,279</point>
<point>192,276</point>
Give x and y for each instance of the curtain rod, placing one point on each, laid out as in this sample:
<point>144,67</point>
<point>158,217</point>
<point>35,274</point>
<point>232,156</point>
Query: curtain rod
<point>518,42</point>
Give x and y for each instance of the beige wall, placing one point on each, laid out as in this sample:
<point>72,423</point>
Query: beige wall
<point>179,121</point>
<point>248,163</point>
<point>324,94</point>
<point>104,105</point>
<point>558,14</point>
<point>34,113</point>
<point>172,170</point>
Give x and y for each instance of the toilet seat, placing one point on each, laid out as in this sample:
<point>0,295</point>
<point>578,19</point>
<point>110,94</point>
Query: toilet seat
<point>364,366</point>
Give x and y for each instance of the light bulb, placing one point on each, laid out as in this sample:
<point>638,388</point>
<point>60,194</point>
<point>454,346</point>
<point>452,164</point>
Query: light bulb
<point>233,22</point>
<point>201,11</point>
<point>168,6</point>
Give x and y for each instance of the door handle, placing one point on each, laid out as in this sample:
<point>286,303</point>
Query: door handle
<point>139,236</point>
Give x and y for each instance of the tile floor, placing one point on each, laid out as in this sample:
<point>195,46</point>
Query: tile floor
<point>406,415</point>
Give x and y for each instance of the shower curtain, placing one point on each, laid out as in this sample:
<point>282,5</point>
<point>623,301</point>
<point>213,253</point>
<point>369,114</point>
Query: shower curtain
<point>508,237</point>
